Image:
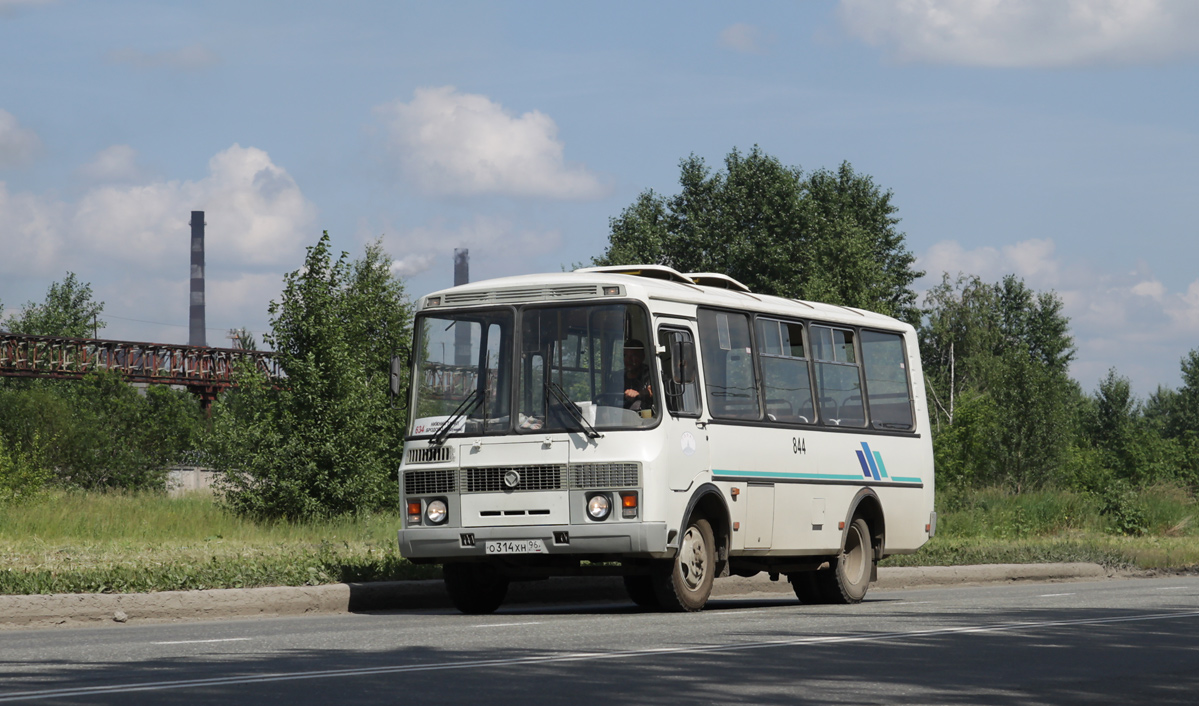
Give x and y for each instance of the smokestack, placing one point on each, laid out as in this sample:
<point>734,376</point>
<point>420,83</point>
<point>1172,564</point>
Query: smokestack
<point>461,333</point>
<point>196,315</point>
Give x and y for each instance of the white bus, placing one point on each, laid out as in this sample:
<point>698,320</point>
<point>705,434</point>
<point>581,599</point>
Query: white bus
<point>670,428</point>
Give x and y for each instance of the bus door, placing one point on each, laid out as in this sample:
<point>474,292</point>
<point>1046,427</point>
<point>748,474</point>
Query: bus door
<point>686,447</point>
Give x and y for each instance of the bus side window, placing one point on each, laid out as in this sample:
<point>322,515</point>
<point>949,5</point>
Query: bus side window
<point>728,365</point>
<point>838,383</point>
<point>785,378</point>
<point>681,390</point>
<point>886,381</point>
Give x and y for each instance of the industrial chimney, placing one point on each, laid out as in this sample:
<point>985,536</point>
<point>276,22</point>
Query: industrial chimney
<point>196,315</point>
<point>461,333</point>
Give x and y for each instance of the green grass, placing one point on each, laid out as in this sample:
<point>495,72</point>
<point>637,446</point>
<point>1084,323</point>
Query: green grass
<point>86,542</point>
<point>78,542</point>
<point>993,526</point>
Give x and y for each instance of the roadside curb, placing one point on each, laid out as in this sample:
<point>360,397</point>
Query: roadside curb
<point>78,610</point>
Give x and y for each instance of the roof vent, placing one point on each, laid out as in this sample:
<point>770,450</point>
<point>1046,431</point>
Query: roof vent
<point>651,271</point>
<point>715,279</point>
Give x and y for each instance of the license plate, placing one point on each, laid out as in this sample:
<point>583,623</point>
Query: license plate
<point>516,546</point>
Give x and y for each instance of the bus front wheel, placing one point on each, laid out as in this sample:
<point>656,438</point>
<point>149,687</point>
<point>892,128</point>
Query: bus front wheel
<point>848,575</point>
<point>475,589</point>
<point>688,583</point>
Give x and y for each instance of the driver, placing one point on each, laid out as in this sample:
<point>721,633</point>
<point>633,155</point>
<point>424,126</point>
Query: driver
<point>638,393</point>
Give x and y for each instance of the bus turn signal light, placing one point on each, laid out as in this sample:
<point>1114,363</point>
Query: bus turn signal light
<point>414,512</point>
<point>628,504</point>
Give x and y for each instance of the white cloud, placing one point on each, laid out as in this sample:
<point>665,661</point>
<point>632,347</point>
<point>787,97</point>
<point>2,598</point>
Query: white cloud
<point>1031,259</point>
<point>116,163</point>
<point>189,58</point>
<point>412,265</point>
<point>1027,33</point>
<point>1129,320</point>
<point>32,229</point>
<point>465,144</point>
<point>744,38</point>
<point>18,145</point>
<point>256,214</point>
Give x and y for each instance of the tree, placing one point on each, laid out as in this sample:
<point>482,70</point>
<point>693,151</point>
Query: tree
<point>1006,349</point>
<point>326,441</point>
<point>1184,408</point>
<point>99,432</point>
<point>1131,447</point>
<point>69,310</point>
<point>829,236</point>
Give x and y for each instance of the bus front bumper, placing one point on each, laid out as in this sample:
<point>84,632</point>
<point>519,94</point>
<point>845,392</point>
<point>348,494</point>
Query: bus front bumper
<point>632,538</point>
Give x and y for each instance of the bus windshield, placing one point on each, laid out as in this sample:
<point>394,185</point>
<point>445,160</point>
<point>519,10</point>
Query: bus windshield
<point>575,368</point>
<point>462,373</point>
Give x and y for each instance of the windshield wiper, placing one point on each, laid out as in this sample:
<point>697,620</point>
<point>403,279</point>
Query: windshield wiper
<point>465,407</point>
<point>573,410</point>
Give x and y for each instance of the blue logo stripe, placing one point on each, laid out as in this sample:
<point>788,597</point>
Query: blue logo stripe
<point>870,460</point>
<point>862,460</point>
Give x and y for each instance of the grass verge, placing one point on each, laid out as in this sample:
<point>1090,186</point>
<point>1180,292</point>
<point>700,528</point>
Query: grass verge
<point>1151,528</point>
<point>114,543</point>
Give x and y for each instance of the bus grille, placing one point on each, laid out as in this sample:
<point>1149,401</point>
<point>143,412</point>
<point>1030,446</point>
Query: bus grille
<point>431,454</point>
<point>553,477</point>
<point>425,482</point>
<point>490,480</point>
<point>604,475</point>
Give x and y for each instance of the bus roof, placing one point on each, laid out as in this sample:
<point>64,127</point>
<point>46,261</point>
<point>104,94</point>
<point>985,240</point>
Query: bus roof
<point>648,283</point>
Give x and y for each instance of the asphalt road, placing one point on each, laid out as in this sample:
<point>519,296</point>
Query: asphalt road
<point>1115,641</point>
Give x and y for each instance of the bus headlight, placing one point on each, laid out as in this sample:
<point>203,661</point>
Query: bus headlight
<point>598,506</point>
<point>435,512</point>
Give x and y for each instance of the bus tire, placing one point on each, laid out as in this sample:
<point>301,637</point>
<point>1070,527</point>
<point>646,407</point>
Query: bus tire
<point>640,588</point>
<point>806,587</point>
<point>848,575</point>
<point>475,589</point>
<point>687,583</point>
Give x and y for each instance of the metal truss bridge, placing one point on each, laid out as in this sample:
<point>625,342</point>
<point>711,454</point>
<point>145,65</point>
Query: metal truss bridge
<point>203,371</point>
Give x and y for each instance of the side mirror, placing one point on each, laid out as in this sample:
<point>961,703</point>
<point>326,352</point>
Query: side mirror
<point>682,361</point>
<point>397,369</point>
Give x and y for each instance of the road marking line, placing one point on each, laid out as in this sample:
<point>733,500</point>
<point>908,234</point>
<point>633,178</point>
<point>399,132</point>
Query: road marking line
<point>503,625</point>
<point>1054,595</point>
<point>200,642</point>
<point>1173,588</point>
<point>571,657</point>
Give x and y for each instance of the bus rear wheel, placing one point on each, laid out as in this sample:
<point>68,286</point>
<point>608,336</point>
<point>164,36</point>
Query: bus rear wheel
<point>688,583</point>
<point>475,589</point>
<point>848,575</point>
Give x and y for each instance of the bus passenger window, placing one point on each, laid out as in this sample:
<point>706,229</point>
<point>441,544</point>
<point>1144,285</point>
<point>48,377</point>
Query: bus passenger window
<point>838,382</point>
<point>886,381</point>
<point>728,365</point>
<point>785,372</point>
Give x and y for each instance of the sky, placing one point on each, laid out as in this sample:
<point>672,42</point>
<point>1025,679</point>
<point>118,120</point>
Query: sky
<point>1056,140</point>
